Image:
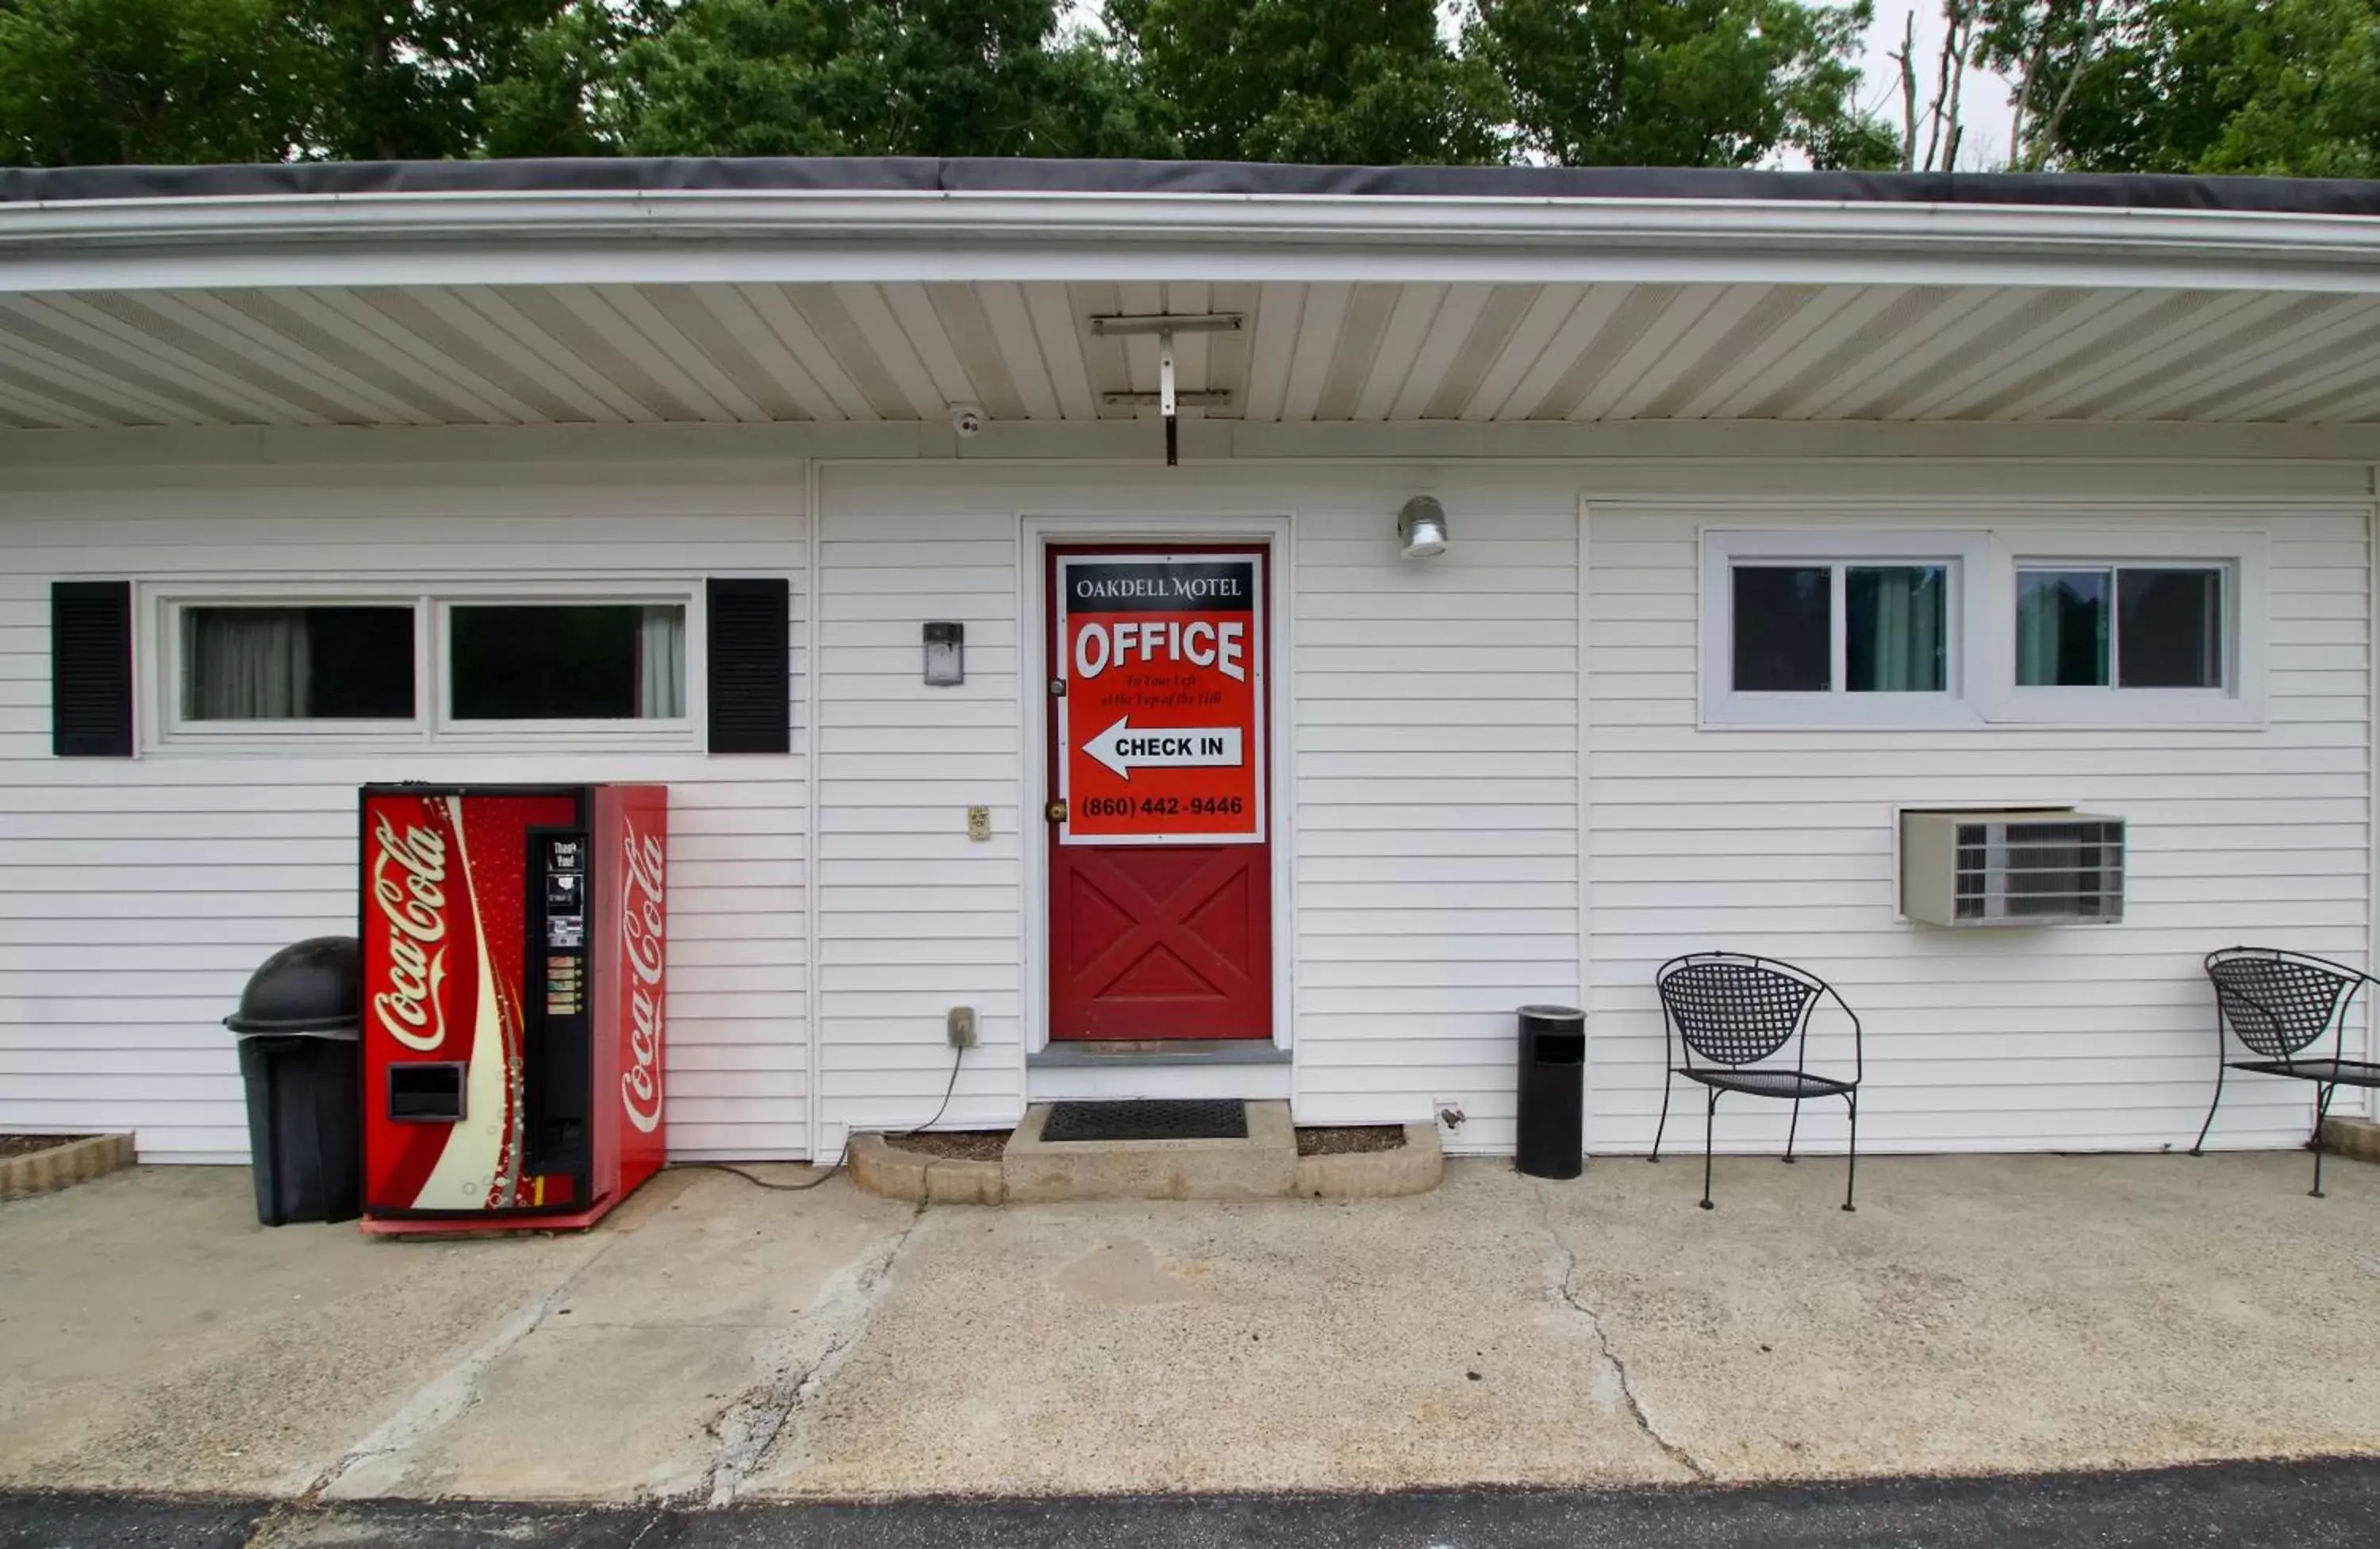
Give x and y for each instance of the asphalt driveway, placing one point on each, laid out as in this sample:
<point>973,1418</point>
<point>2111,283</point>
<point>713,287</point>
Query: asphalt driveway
<point>2248,1505</point>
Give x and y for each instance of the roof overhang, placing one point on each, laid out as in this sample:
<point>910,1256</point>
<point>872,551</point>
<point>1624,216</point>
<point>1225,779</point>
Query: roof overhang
<point>502,293</point>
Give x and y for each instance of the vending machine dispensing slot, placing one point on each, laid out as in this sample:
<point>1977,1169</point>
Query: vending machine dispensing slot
<point>426,1092</point>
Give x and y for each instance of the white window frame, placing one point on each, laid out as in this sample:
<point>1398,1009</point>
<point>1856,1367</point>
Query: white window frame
<point>2239,556</point>
<point>1966,555</point>
<point>159,618</point>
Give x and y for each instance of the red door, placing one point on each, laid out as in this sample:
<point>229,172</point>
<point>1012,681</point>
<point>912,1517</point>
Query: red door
<point>1160,868</point>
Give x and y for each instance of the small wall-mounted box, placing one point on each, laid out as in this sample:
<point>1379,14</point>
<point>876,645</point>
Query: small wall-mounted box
<point>2037,867</point>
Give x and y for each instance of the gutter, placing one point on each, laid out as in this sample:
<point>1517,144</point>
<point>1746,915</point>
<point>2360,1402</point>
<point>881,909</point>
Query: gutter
<point>775,235</point>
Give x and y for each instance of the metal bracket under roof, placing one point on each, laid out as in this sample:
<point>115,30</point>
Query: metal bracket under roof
<point>1186,396</point>
<point>1164,323</point>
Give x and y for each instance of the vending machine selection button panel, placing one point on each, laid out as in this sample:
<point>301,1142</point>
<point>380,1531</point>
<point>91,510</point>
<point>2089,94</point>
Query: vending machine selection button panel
<point>565,987</point>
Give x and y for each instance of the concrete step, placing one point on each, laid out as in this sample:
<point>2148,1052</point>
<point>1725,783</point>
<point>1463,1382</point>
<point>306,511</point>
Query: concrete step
<point>1262,1167</point>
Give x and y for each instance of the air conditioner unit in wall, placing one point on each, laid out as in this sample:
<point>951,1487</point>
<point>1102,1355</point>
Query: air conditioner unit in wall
<point>2012,868</point>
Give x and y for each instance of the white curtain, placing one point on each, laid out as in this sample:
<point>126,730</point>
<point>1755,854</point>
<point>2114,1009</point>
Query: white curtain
<point>245,663</point>
<point>661,663</point>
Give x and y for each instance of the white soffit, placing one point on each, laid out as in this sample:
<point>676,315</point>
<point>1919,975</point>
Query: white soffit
<point>1312,351</point>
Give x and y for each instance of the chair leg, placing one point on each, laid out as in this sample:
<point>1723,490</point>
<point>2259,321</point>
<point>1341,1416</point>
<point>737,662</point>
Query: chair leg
<point>1792,1130</point>
<point>1710,1117</point>
<point>1668,1080</point>
<point>1850,1167</point>
<point>2198,1147</point>
<point>2321,1110</point>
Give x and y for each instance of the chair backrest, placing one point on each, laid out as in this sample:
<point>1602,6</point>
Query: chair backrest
<point>2276,1002</point>
<point>1731,1009</point>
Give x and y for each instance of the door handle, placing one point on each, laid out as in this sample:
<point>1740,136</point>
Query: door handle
<point>1055,811</point>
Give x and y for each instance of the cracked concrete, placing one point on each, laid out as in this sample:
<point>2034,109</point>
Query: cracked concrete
<point>1611,1384</point>
<point>1126,1346</point>
<point>714,1342</point>
<point>769,1418</point>
<point>662,1369</point>
<point>1986,1313</point>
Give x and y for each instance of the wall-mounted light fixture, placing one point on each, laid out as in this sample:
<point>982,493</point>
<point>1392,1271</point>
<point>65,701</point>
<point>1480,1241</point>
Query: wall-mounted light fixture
<point>1421,527</point>
<point>945,655</point>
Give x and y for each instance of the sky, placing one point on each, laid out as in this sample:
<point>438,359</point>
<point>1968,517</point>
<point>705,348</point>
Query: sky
<point>1983,105</point>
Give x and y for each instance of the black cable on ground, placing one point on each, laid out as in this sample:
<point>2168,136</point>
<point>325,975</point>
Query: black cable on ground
<point>957,1055</point>
<point>755,1179</point>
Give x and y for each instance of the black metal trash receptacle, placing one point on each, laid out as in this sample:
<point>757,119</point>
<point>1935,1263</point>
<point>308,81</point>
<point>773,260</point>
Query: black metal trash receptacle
<point>1552,1142</point>
<point>296,1023</point>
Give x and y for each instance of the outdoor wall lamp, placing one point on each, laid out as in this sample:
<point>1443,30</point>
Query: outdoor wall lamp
<point>945,655</point>
<point>1421,527</point>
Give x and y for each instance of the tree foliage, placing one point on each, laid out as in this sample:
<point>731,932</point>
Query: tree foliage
<point>1682,83</point>
<point>928,77</point>
<point>2247,86</point>
<point>150,81</point>
<point>1689,82</point>
<point>2282,87</point>
<point>1370,81</point>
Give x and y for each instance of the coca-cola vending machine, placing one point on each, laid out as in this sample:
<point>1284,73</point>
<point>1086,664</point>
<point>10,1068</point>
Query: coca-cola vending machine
<point>512,942</point>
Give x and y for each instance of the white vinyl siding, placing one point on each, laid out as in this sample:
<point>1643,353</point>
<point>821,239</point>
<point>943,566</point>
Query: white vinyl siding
<point>136,895</point>
<point>1436,709</point>
<point>1782,842</point>
<point>914,916</point>
<point>1429,716</point>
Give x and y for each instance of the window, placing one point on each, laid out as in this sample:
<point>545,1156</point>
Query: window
<point>567,661</point>
<point>327,663</point>
<point>2137,624</point>
<point>1890,636</point>
<point>2121,626</point>
<point>1869,632</point>
<point>2137,621</point>
<point>467,663</point>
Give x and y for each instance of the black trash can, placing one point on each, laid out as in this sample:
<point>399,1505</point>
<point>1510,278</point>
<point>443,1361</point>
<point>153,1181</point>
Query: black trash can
<point>296,1023</point>
<point>1552,1142</point>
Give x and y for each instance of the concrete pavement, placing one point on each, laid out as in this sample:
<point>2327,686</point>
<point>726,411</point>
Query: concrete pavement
<point>714,1343</point>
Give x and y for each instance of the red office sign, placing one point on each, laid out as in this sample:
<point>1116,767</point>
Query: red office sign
<point>1160,722</point>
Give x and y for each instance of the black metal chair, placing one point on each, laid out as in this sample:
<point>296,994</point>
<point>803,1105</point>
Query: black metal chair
<point>2278,1005</point>
<point>1731,1011</point>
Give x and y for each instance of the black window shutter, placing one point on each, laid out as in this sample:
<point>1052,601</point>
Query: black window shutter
<point>752,664</point>
<point>91,669</point>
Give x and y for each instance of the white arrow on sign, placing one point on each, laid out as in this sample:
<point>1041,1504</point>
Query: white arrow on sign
<point>1124,749</point>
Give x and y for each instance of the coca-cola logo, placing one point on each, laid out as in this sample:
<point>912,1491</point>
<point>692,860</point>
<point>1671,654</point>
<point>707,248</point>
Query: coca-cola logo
<point>412,899</point>
<point>643,934</point>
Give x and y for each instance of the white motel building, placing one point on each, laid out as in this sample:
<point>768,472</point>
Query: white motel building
<point>1609,561</point>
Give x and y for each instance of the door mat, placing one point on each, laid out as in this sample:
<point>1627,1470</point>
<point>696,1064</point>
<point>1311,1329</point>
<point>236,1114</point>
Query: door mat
<point>1146,1121</point>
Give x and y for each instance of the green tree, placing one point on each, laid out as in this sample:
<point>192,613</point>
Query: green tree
<point>1365,81</point>
<point>562,95</point>
<point>2275,87</point>
<point>403,78</point>
<point>1682,83</point>
<point>934,78</point>
<point>150,81</point>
